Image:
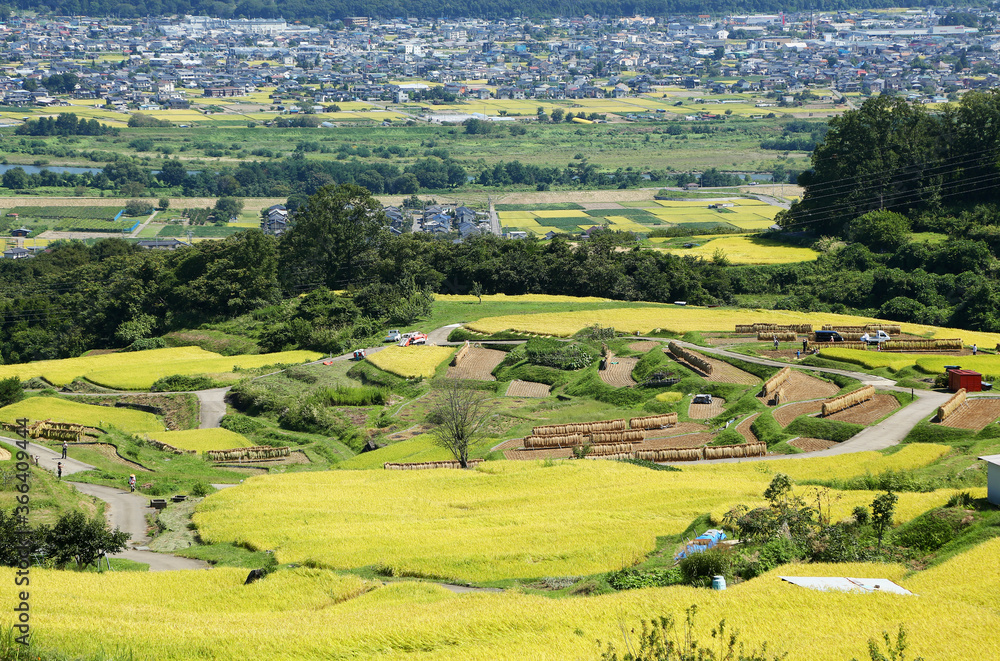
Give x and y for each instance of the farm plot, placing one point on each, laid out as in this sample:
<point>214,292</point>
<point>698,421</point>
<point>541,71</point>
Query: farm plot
<point>974,414</point>
<point>783,415</point>
<point>705,411</point>
<point>749,250</point>
<point>800,387</point>
<point>744,429</point>
<point>61,410</point>
<point>202,440</point>
<point>477,365</point>
<point>676,442</point>
<point>869,412</point>
<point>518,388</point>
<point>723,372</point>
<point>811,444</point>
<point>644,345</point>
<point>618,373</point>
<point>410,362</point>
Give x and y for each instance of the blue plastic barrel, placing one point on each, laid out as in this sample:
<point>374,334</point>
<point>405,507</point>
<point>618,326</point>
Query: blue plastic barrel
<point>718,582</point>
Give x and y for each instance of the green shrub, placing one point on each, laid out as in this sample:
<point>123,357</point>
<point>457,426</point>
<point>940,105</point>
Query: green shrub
<point>699,568</point>
<point>146,343</point>
<point>560,355</point>
<point>240,424</point>
<point>11,391</point>
<point>202,489</point>
<point>537,373</point>
<point>829,430</point>
<point>182,383</point>
<point>728,437</point>
<point>632,578</point>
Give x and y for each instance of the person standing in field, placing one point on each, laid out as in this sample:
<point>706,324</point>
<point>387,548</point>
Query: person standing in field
<point>65,449</point>
<point>775,342</point>
<point>975,349</point>
<point>59,470</point>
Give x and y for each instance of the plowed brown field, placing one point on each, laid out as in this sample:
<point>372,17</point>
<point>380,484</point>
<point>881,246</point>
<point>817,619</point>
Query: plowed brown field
<point>975,413</point>
<point>801,387</point>
<point>744,429</point>
<point>478,365</point>
<point>618,373</point>
<point>869,412</point>
<point>785,414</point>
<point>518,388</point>
<point>644,345</point>
<point>705,411</point>
<point>811,444</point>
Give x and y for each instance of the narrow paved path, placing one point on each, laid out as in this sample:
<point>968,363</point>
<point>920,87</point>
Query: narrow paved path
<point>213,407</point>
<point>125,510</point>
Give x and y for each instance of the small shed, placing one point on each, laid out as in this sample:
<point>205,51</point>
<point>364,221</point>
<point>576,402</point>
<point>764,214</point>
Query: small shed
<point>970,380</point>
<point>992,478</point>
<point>22,232</point>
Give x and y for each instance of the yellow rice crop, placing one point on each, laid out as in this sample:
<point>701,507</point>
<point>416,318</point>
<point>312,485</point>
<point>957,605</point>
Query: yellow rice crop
<point>418,448</point>
<point>139,369</point>
<point>983,363</point>
<point>747,250</point>
<point>686,319</point>
<point>520,298</point>
<point>410,362</point>
<point>308,613</point>
<point>61,410</point>
<point>444,523</point>
<point>202,440</point>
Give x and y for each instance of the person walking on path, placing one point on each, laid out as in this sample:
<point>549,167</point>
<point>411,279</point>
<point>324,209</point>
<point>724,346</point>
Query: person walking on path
<point>59,470</point>
<point>65,449</point>
<point>131,483</point>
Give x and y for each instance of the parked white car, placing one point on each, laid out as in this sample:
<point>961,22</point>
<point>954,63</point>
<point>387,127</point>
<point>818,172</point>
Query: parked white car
<point>876,338</point>
<point>392,336</point>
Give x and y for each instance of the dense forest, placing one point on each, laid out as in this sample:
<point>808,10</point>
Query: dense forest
<point>901,202</point>
<point>329,10</point>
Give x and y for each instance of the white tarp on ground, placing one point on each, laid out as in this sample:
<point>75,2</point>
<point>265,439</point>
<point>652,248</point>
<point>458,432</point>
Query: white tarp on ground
<point>844,584</point>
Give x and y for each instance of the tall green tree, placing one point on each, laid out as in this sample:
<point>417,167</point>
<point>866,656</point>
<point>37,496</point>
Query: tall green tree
<point>334,240</point>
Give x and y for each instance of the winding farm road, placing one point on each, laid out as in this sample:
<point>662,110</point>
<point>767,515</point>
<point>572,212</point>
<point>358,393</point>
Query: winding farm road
<point>125,510</point>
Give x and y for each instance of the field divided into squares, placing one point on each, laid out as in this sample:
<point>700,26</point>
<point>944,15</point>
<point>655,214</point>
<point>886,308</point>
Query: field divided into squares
<point>70,218</point>
<point>736,214</point>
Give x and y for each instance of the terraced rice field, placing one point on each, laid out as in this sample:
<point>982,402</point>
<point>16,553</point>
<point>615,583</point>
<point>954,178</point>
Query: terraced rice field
<point>744,429</point>
<point>518,388</point>
<point>748,250</point>
<point>644,345</point>
<point>478,364</point>
<point>202,440</point>
<point>870,412</point>
<point>801,386</point>
<point>618,373</point>
<point>690,318</point>
<point>695,440</point>
<point>723,372</point>
<point>138,370</point>
<point>705,411</point>
<point>784,415</point>
<point>61,410</point>
<point>442,523</point>
<point>811,444</point>
<point>410,362</point>
<point>976,413</point>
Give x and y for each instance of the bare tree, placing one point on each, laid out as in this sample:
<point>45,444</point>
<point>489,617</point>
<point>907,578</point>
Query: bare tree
<point>461,413</point>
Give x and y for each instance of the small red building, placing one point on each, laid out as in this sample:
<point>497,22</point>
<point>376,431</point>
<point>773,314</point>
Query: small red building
<point>968,379</point>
